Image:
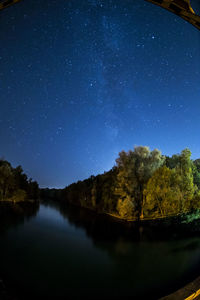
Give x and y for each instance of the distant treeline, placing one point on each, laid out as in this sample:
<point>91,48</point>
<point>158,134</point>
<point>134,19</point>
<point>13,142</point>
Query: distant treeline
<point>15,185</point>
<point>143,184</point>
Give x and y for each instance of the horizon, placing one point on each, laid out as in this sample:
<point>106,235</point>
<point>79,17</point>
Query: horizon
<point>59,187</point>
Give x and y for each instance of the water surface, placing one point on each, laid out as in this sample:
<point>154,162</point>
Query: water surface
<point>67,252</point>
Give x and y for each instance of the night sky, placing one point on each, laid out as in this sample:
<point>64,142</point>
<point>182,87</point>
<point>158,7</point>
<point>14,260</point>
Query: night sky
<point>81,80</point>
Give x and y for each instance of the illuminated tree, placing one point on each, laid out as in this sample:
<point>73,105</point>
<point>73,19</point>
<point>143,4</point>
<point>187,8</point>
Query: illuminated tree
<point>134,170</point>
<point>185,180</point>
<point>126,208</point>
<point>162,193</point>
<point>171,191</point>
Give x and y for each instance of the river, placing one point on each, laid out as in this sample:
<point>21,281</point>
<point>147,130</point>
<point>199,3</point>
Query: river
<point>67,252</point>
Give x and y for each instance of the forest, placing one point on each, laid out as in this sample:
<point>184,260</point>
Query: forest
<point>143,184</point>
<point>15,185</point>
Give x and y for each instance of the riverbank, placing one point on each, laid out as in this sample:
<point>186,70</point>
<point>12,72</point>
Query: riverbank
<point>187,222</point>
<point>143,219</point>
<point>19,201</point>
<point>167,227</point>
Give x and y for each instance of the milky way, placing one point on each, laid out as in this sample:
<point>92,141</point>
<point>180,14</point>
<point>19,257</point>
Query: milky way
<point>82,80</point>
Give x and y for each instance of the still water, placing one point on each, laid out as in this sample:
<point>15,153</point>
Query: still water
<point>62,253</point>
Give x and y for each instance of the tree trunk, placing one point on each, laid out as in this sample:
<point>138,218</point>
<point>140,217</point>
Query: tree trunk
<point>161,211</point>
<point>142,204</point>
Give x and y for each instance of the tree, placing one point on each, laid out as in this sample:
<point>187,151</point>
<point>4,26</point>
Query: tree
<point>6,180</point>
<point>172,162</point>
<point>134,170</point>
<point>171,190</point>
<point>162,193</point>
<point>196,172</point>
<point>14,184</point>
<point>185,179</point>
<point>33,189</point>
<point>21,179</point>
<point>126,208</point>
<point>94,195</point>
<point>108,191</point>
<point>18,195</point>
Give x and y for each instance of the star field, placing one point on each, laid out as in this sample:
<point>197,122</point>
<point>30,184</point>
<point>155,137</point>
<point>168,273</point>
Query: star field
<point>82,80</point>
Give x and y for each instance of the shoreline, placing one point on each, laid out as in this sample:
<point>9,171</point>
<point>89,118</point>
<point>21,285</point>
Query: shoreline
<point>146,218</point>
<point>183,217</point>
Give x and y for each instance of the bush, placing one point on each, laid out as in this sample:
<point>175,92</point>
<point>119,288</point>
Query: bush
<point>126,208</point>
<point>18,196</point>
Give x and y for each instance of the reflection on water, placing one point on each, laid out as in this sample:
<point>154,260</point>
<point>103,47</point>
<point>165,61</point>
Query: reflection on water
<point>67,252</point>
<point>15,214</point>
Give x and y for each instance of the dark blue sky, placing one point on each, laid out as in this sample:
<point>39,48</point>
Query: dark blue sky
<point>80,80</point>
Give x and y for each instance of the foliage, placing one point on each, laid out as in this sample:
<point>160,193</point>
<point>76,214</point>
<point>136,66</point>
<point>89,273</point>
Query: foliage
<point>171,191</point>
<point>18,196</point>
<point>143,183</point>
<point>96,192</point>
<point>162,193</point>
<point>126,208</point>
<point>196,172</point>
<point>134,170</point>
<point>14,184</point>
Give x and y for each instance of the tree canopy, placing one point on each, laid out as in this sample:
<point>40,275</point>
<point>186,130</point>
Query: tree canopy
<point>142,184</point>
<point>15,185</point>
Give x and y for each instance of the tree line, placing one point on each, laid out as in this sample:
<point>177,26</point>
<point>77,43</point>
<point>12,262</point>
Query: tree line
<point>142,184</point>
<point>15,185</point>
